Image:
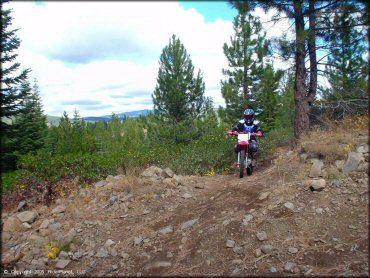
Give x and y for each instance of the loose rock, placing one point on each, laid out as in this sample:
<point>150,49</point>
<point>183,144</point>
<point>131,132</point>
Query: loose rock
<point>166,230</point>
<point>289,206</point>
<point>230,243</point>
<point>46,223</point>
<point>363,148</point>
<point>12,225</point>
<point>138,240</point>
<point>167,173</point>
<point>238,250</point>
<point>101,183</point>
<point>37,240</point>
<point>102,253</point>
<point>257,252</point>
<point>316,169</point>
<point>247,218</point>
<point>352,163</point>
<point>262,236</point>
<point>187,196</point>
<point>61,264</point>
<point>109,243</point>
<point>292,250</point>
<point>157,265</point>
<point>289,267</point>
<point>59,209</point>
<point>27,216</point>
<point>237,261</point>
<point>267,248</point>
<point>317,185</point>
<point>21,205</point>
<point>189,224</point>
<point>263,196</point>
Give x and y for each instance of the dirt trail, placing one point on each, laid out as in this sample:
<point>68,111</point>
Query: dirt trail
<point>270,223</point>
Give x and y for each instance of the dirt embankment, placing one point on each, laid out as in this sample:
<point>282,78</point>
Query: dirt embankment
<point>296,215</point>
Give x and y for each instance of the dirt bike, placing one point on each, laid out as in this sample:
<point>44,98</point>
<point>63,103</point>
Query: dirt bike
<point>245,153</point>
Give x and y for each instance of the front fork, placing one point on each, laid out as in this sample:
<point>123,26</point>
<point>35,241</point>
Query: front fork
<point>246,158</point>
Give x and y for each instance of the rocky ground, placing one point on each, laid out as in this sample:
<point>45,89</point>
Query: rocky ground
<point>296,215</point>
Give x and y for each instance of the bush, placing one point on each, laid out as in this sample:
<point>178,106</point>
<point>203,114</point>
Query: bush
<point>10,180</point>
<point>274,139</point>
<point>212,153</point>
<point>87,167</point>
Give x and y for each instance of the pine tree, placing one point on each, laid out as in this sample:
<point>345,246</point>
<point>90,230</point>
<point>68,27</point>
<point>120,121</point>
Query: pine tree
<point>64,136</point>
<point>11,96</point>
<point>285,107</point>
<point>267,97</point>
<point>245,55</point>
<point>347,69</point>
<point>30,125</point>
<point>178,94</point>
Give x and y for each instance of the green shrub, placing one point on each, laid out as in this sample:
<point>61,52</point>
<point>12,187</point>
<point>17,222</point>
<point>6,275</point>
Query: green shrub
<point>274,139</point>
<point>211,153</point>
<point>10,180</point>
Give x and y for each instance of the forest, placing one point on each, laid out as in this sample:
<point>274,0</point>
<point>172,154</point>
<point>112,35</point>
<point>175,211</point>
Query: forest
<point>185,131</point>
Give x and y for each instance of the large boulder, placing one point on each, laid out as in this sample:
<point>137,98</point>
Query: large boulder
<point>364,148</point>
<point>27,216</point>
<point>151,175</point>
<point>317,185</point>
<point>353,161</point>
<point>316,169</point>
<point>152,171</point>
<point>59,209</point>
<point>12,225</point>
<point>167,173</point>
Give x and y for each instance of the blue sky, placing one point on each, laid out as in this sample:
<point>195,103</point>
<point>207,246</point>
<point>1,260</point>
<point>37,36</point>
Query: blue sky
<point>102,57</point>
<point>211,10</point>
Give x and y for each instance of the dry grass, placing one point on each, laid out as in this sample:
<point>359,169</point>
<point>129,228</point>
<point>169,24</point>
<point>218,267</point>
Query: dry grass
<point>337,141</point>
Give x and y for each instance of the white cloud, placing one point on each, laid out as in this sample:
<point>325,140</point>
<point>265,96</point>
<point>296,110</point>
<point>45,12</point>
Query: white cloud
<point>96,50</point>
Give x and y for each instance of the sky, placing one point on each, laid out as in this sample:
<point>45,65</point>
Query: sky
<point>101,57</point>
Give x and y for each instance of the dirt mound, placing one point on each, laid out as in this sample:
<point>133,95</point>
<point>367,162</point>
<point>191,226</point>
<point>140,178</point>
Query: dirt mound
<point>297,214</point>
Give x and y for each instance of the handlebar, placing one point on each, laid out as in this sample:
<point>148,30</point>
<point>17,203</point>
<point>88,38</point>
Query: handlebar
<point>229,132</point>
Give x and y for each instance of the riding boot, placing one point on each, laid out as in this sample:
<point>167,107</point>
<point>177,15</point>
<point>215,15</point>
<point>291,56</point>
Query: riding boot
<point>254,159</point>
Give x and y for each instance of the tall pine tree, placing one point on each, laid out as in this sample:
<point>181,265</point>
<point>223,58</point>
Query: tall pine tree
<point>267,97</point>
<point>11,97</point>
<point>347,68</point>
<point>31,125</point>
<point>178,94</point>
<point>245,55</point>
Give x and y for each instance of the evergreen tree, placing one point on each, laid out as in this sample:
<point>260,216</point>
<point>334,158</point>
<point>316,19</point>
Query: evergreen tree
<point>267,97</point>
<point>285,107</point>
<point>178,94</point>
<point>11,96</point>
<point>64,136</point>
<point>347,69</point>
<point>31,124</point>
<point>78,132</point>
<point>245,55</point>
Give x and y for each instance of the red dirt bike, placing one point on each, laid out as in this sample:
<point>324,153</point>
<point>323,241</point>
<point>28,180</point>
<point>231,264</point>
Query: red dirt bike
<point>245,153</point>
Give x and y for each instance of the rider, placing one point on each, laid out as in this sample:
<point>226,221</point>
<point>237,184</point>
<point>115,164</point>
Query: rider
<point>249,124</point>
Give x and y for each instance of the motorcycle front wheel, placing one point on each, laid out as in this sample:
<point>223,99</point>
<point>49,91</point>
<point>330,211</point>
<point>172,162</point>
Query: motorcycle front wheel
<point>242,163</point>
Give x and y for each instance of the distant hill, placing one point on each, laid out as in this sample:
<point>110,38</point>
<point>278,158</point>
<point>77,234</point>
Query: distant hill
<point>54,120</point>
<point>107,118</point>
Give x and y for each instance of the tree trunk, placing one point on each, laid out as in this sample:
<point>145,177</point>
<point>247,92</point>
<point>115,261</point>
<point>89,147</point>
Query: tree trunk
<point>301,105</point>
<point>312,53</point>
